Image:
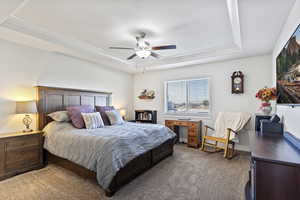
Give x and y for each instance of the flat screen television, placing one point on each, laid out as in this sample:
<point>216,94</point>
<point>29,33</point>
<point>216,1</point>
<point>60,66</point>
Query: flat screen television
<point>288,71</point>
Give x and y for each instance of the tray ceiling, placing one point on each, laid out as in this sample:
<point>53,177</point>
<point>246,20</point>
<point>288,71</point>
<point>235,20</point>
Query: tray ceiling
<point>203,31</point>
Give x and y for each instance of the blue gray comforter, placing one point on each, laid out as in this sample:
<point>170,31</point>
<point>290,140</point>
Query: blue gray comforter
<point>104,150</point>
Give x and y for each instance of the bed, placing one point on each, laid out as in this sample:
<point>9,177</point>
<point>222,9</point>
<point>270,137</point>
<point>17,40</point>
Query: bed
<point>132,159</point>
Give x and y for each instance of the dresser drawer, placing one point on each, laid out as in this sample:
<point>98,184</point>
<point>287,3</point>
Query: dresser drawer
<point>18,143</point>
<point>22,158</point>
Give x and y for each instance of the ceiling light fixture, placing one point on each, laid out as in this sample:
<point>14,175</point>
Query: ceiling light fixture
<point>143,53</point>
<point>143,48</point>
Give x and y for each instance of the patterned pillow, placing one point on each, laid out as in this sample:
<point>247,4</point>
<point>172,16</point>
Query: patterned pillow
<point>60,116</point>
<point>115,117</point>
<point>75,114</point>
<point>92,120</point>
<point>102,110</point>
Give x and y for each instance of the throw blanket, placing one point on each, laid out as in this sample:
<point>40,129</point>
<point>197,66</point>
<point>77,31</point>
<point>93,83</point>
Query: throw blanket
<point>104,150</point>
<point>234,120</point>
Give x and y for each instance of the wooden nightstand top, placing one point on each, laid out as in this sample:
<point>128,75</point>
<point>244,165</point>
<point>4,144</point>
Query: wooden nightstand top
<point>18,134</point>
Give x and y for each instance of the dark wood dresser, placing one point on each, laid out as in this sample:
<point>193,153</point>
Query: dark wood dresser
<point>275,168</point>
<point>194,130</point>
<point>20,152</point>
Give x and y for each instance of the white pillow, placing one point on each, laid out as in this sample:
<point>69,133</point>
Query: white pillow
<point>60,116</point>
<point>92,120</point>
<point>114,117</point>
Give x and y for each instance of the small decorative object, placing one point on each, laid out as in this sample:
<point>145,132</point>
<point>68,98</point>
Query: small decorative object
<point>147,94</point>
<point>26,107</point>
<point>237,82</point>
<point>266,95</point>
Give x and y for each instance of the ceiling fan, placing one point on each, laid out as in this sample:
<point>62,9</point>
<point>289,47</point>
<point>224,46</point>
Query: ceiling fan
<point>143,48</point>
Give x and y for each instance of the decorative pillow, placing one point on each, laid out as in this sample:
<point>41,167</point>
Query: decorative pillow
<point>75,114</point>
<point>92,120</point>
<point>60,116</point>
<point>275,119</point>
<point>114,117</point>
<point>102,110</point>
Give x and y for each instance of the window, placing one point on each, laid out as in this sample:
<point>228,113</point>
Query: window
<point>187,96</point>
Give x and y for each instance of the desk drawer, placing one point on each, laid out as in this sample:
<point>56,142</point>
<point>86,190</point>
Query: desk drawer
<point>194,125</point>
<point>17,143</point>
<point>193,132</point>
<point>192,141</point>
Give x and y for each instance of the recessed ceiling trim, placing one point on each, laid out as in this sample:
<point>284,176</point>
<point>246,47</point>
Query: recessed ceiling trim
<point>16,24</point>
<point>195,53</point>
<point>233,12</point>
<point>14,11</point>
<point>203,54</point>
<point>200,59</point>
<point>19,7</point>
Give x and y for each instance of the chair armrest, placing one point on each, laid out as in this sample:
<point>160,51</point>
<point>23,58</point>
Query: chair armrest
<point>209,127</point>
<point>232,131</point>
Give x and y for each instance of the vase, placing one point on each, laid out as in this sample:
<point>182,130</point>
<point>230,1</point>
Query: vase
<point>266,108</point>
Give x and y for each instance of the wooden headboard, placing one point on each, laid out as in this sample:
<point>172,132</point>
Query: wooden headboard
<point>51,99</point>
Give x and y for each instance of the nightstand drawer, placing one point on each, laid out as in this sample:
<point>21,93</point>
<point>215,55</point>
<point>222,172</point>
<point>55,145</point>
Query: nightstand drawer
<point>29,154</point>
<point>17,143</point>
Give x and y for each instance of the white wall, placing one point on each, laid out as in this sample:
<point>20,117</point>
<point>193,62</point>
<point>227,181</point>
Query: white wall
<point>23,67</point>
<point>257,72</point>
<point>291,115</point>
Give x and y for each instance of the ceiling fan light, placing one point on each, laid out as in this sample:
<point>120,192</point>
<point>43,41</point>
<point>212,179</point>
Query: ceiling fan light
<point>143,53</point>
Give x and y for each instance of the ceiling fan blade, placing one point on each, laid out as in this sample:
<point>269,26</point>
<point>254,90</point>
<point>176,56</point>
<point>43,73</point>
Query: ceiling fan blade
<point>121,48</point>
<point>132,56</point>
<point>155,55</point>
<point>164,47</point>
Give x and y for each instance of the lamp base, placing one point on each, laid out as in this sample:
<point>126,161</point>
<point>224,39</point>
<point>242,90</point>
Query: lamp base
<point>27,121</point>
<point>27,130</point>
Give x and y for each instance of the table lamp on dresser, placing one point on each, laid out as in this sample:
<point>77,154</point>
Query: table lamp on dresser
<point>27,108</point>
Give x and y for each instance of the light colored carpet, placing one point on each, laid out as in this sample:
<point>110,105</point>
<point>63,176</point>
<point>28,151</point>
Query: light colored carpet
<point>188,175</point>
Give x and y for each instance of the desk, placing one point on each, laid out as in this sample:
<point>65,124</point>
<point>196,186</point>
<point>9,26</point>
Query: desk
<point>194,130</point>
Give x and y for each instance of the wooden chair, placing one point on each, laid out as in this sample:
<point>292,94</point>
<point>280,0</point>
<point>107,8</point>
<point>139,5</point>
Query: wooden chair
<point>224,135</point>
<point>228,152</point>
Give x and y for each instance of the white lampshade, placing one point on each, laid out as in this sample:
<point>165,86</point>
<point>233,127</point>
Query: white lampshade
<point>26,107</point>
<point>122,112</point>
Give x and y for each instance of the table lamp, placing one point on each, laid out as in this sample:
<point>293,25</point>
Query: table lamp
<point>123,113</point>
<point>26,107</point>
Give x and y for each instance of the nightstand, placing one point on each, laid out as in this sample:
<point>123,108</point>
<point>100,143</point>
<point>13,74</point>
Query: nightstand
<point>20,152</point>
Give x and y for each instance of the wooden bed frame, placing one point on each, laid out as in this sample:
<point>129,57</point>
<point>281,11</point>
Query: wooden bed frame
<point>51,99</point>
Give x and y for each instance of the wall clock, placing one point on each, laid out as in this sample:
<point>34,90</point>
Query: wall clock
<point>237,82</point>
